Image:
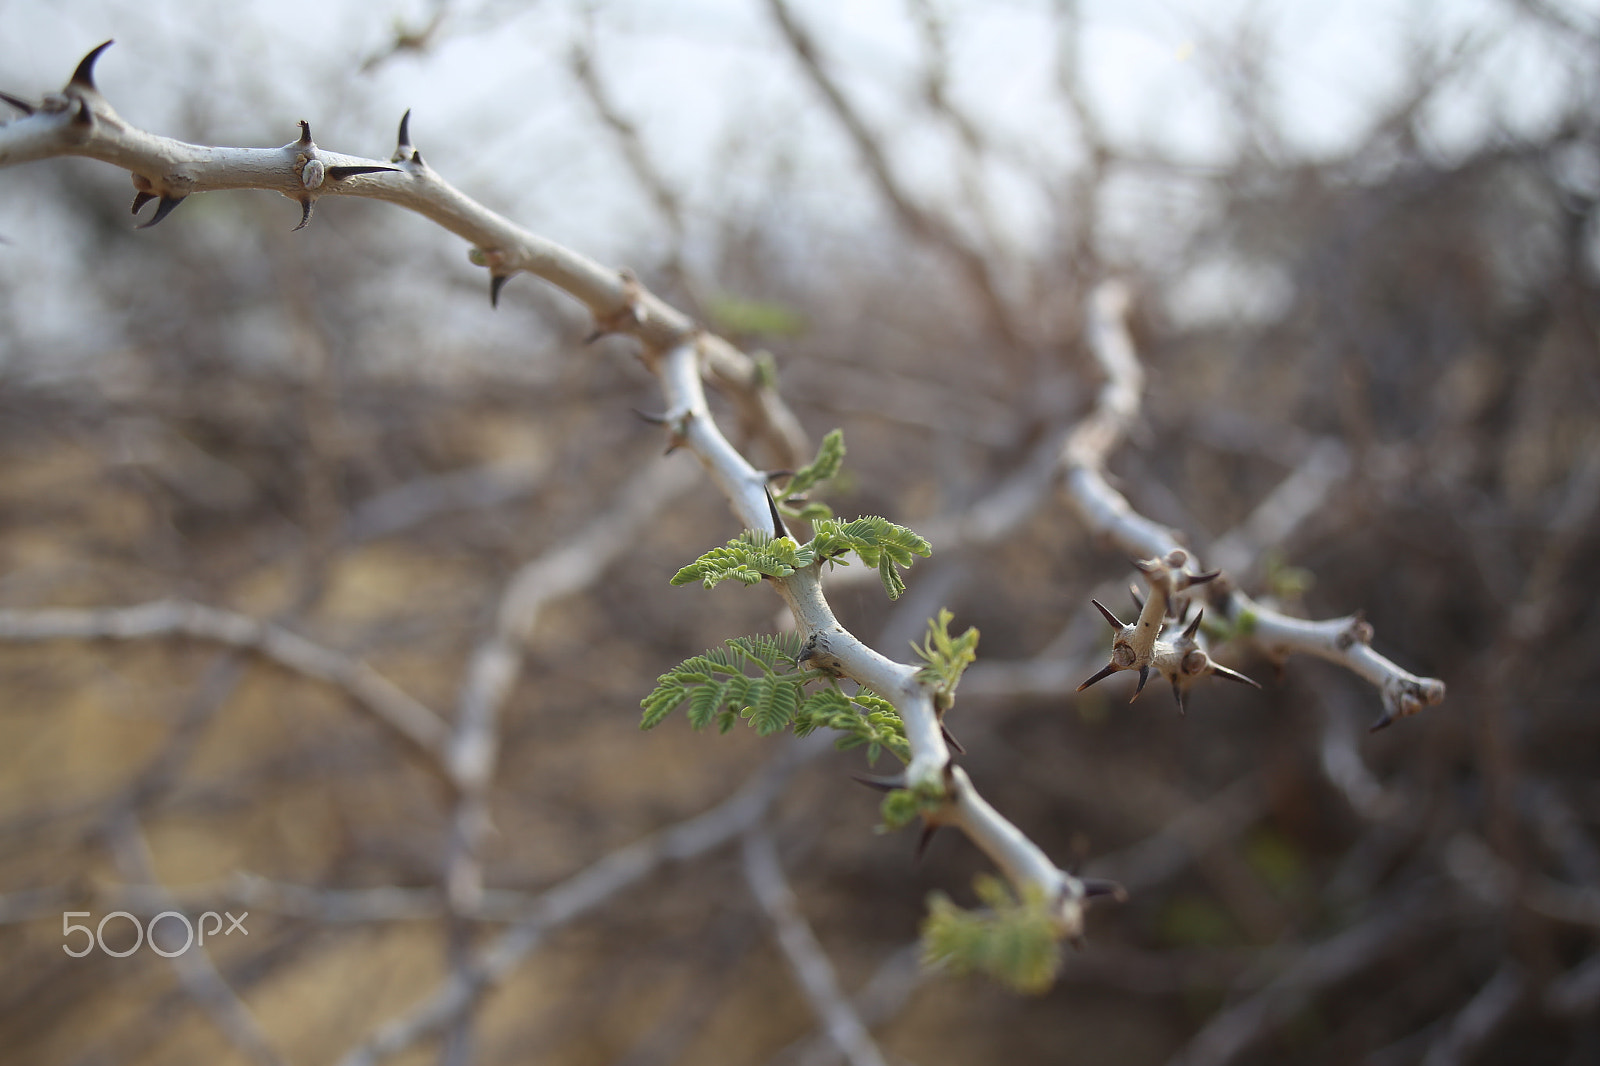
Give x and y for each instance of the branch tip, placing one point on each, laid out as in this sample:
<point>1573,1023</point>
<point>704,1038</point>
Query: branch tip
<point>83,77</point>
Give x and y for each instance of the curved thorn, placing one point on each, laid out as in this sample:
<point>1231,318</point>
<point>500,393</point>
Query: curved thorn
<point>950,739</point>
<point>1232,675</point>
<point>305,215</point>
<point>496,283</point>
<point>881,784</point>
<point>1194,626</point>
<point>167,205</point>
<point>81,114</point>
<point>140,199</point>
<point>1105,672</point>
<point>305,134</point>
<point>1105,613</point>
<point>646,416</point>
<point>1183,612</point>
<point>404,140</point>
<point>83,77</point>
<point>1177,693</point>
<point>1382,723</point>
<point>1201,579</point>
<point>21,105</point>
<point>928,830</point>
<point>416,157</point>
<point>1144,675</point>
<point>1138,600</point>
<point>341,173</point>
<point>1094,887</point>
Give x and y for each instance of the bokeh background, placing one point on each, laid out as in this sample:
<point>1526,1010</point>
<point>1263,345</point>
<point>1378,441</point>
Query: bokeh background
<point>1362,240</point>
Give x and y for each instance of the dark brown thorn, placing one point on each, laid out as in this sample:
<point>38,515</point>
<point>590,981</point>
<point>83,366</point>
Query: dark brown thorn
<point>83,77</point>
<point>950,739</point>
<point>1233,675</point>
<point>305,215</point>
<point>416,157</point>
<point>1138,600</point>
<point>305,134</point>
<point>1194,626</point>
<point>1382,723</point>
<point>1105,612</point>
<point>928,830</point>
<point>1177,693</point>
<point>167,205</point>
<point>21,105</point>
<point>341,173</point>
<point>881,784</point>
<point>1095,887</point>
<point>1144,675</point>
<point>496,283</point>
<point>81,114</point>
<point>773,475</point>
<point>403,142</point>
<point>1201,579</point>
<point>140,199</point>
<point>1105,672</point>
<point>1183,612</point>
<point>777,519</point>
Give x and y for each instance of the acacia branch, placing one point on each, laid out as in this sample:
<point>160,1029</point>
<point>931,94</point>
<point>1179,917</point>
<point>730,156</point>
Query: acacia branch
<point>1345,641</point>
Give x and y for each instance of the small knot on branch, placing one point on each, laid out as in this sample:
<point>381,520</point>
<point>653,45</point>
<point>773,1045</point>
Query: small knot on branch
<point>626,317</point>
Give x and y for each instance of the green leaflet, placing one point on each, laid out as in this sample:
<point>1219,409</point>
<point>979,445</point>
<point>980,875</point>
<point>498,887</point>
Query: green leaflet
<point>876,541</point>
<point>830,456</point>
<point>749,557</point>
<point>945,658</point>
<point>719,687</point>
<point>1011,940</point>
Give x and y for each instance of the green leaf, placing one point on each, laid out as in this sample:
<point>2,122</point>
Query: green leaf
<point>732,314</point>
<point>747,558</point>
<point>830,456</point>
<point>945,658</point>
<point>877,541</point>
<point>1013,941</point>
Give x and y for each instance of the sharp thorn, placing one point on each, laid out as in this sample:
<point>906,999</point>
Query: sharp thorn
<point>1183,612</point>
<point>1105,612</point>
<point>881,784</point>
<point>496,283</point>
<point>950,739</point>
<point>305,134</point>
<point>1177,693</point>
<point>1105,672</point>
<point>922,841</point>
<point>305,215</point>
<point>1144,675</point>
<point>416,157</point>
<point>167,205</point>
<point>1095,887</point>
<point>341,173</point>
<point>1201,579</point>
<point>21,105</point>
<point>404,140</point>
<point>777,519</point>
<point>140,199</point>
<point>1233,675</point>
<point>1195,625</point>
<point>1382,723</point>
<point>81,114</point>
<point>1138,600</point>
<point>83,77</point>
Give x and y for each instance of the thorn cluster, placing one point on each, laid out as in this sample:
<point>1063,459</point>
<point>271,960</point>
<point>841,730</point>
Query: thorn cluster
<point>1139,645</point>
